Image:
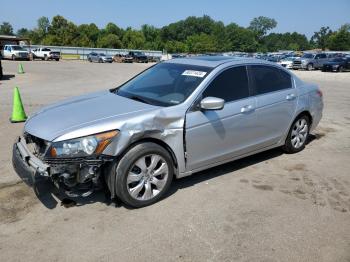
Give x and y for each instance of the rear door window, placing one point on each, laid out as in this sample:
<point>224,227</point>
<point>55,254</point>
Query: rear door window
<point>230,85</point>
<point>268,79</point>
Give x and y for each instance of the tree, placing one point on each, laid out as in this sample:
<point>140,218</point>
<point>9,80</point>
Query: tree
<point>6,29</point>
<point>43,25</point>
<point>114,29</point>
<point>133,39</point>
<point>201,43</point>
<point>340,40</point>
<point>261,25</point>
<point>22,32</point>
<point>320,38</point>
<point>240,39</point>
<point>109,41</point>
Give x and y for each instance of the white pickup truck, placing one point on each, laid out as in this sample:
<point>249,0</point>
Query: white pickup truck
<point>15,52</point>
<point>46,54</point>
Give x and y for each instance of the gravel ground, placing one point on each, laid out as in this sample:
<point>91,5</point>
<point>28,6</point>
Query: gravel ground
<point>268,207</point>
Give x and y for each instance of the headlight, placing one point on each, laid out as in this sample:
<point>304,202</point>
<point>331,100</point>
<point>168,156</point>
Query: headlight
<point>303,61</point>
<point>83,146</point>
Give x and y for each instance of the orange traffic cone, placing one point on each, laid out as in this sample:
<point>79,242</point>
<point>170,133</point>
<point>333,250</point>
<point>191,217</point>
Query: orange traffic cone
<point>18,113</point>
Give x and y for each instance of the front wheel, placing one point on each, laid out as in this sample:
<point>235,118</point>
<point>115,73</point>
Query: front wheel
<point>13,57</point>
<point>143,175</point>
<point>310,67</point>
<point>298,135</point>
<point>341,69</point>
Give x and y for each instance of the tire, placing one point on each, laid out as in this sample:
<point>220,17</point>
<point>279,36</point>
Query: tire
<point>46,58</point>
<point>13,57</point>
<point>310,67</point>
<point>57,59</point>
<point>297,137</point>
<point>100,61</point>
<point>135,177</point>
<point>341,69</point>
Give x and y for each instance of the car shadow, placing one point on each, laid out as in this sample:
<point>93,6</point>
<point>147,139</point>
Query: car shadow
<point>7,77</point>
<point>51,197</point>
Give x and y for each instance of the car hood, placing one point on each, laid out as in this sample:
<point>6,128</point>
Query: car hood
<point>89,113</point>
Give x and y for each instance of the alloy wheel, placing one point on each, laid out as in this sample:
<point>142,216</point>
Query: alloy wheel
<point>299,133</point>
<point>147,177</point>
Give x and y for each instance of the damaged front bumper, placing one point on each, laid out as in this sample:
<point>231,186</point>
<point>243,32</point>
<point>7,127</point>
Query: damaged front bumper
<point>28,166</point>
<point>77,176</point>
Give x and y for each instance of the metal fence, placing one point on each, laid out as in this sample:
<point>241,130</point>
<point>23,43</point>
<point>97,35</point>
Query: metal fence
<point>82,52</point>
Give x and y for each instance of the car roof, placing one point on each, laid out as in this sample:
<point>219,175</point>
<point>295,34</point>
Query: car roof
<point>214,61</point>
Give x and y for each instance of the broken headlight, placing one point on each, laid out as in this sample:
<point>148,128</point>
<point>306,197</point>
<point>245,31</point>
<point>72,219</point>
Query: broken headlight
<point>83,146</point>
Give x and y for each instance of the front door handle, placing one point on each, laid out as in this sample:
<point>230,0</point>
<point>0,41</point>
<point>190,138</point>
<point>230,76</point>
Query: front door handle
<point>247,109</point>
<point>290,97</point>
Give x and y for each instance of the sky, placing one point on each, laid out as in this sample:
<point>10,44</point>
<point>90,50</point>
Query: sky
<point>303,16</point>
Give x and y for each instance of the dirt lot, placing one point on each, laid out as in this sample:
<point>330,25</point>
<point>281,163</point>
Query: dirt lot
<point>268,207</point>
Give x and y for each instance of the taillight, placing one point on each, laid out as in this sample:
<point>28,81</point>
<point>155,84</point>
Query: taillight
<point>319,93</point>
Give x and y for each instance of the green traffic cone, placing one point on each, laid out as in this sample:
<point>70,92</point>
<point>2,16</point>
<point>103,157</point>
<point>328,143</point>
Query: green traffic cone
<point>18,113</point>
<point>20,69</point>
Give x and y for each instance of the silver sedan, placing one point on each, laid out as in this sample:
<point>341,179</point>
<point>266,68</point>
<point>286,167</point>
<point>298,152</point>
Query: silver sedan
<point>172,120</point>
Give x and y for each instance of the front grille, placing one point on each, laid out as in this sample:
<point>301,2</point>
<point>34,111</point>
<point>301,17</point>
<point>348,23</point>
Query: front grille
<point>297,62</point>
<point>57,161</point>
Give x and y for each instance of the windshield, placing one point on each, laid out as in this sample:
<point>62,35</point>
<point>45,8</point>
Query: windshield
<point>102,55</point>
<point>308,56</point>
<point>18,48</point>
<point>289,59</point>
<point>164,84</point>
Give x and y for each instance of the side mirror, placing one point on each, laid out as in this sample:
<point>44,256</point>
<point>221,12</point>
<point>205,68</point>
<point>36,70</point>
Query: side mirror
<point>212,103</point>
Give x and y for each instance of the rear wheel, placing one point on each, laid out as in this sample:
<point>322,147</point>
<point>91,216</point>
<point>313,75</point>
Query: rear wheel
<point>13,57</point>
<point>46,58</point>
<point>298,135</point>
<point>143,175</point>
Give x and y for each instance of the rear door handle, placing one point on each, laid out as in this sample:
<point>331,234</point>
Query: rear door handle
<point>247,109</point>
<point>290,97</point>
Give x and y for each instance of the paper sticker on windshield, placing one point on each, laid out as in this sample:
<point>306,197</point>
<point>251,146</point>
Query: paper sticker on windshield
<point>194,73</point>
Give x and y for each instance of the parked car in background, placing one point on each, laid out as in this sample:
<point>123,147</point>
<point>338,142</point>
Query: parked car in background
<point>46,54</point>
<point>1,72</point>
<point>99,58</point>
<point>339,64</point>
<point>310,61</point>
<point>119,58</point>
<point>138,57</point>
<point>15,52</point>
<point>176,118</point>
<point>287,62</point>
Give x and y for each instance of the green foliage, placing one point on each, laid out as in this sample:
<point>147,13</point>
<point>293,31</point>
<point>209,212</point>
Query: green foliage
<point>109,41</point>
<point>320,38</point>
<point>6,29</point>
<point>133,39</point>
<point>286,41</point>
<point>340,40</point>
<point>261,25</point>
<point>201,43</point>
<point>193,34</point>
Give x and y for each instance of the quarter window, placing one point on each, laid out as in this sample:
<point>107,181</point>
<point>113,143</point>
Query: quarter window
<point>269,79</point>
<point>230,85</point>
